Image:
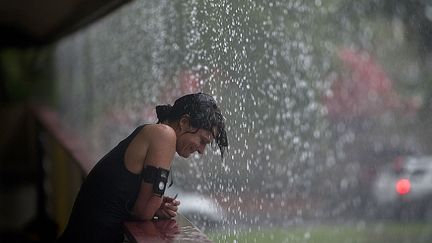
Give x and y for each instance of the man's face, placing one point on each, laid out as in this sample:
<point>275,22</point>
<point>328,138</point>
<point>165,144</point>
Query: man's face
<point>194,140</point>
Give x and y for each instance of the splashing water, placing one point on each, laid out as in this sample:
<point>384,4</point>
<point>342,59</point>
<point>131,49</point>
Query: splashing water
<point>303,135</point>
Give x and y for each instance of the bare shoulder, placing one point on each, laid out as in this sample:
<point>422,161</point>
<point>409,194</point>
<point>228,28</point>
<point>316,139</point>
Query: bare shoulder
<point>161,141</point>
<point>155,145</point>
<point>159,133</point>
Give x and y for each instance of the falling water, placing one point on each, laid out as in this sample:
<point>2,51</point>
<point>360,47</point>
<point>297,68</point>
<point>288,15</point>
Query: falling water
<point>301,143</point>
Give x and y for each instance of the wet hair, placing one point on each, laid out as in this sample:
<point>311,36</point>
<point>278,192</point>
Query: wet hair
<point>203,113</point>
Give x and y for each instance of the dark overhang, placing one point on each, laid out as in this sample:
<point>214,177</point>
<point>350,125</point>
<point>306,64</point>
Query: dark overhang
<point>26,23</point>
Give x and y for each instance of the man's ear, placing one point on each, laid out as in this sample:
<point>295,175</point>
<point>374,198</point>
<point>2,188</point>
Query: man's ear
<point>184,123</point>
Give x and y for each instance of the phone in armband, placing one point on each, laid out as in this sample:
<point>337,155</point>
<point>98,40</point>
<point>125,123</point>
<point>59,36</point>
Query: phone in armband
<point>158,177</point>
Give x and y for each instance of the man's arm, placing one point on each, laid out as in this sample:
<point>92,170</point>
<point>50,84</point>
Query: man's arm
<point>160,141</point>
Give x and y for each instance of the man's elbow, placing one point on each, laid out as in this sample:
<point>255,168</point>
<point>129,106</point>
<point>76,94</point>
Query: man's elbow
<point>148,210</point>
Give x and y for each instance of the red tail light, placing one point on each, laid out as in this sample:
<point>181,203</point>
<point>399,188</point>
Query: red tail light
<point>403,186</point>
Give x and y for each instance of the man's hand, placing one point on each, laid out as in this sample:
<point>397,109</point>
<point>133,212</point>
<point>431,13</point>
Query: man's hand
<point>168,208</point>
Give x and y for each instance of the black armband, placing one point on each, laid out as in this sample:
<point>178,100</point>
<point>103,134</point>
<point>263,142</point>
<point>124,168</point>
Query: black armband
<point>156,176</point>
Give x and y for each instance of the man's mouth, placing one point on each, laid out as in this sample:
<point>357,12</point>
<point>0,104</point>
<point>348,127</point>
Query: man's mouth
<point>191,150</point>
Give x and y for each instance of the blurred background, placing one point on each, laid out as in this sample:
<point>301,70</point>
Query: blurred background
<point>327,105</point>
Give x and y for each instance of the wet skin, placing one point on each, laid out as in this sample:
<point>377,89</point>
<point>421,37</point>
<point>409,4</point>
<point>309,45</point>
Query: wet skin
<point>192,141</point>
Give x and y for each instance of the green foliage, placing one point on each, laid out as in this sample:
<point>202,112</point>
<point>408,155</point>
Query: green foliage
<point>362,233</point>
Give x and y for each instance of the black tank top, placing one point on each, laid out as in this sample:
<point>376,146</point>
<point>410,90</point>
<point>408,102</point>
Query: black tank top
<point>104,200</point>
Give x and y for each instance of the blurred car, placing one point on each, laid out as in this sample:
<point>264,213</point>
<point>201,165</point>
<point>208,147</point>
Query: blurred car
<point>204,212</point>
<point>403,190</point>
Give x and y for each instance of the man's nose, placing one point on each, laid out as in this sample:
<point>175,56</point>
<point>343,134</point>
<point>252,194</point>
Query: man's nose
<point>201,149</point>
